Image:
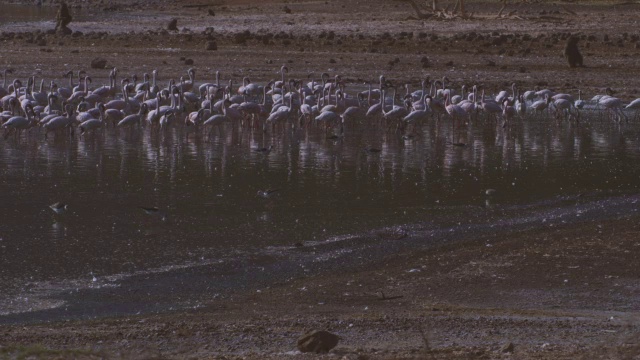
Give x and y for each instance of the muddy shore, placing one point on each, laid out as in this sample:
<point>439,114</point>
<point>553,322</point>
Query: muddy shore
<point>565,292</point>
<point>555,293</point>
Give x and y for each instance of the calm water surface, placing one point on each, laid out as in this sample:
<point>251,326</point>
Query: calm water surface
<point>215,224</point>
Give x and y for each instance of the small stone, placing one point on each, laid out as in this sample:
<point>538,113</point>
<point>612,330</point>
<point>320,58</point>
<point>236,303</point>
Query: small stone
<point>211,12</point>
<point>507,348</point>
<point>211,45</point>
<point>173,25</point>
<point>64,31</point>
<point>286,10</point>
<point>98,63</point>
<point>317,341</point>
<point>332,61</point>
<point>188,62</point>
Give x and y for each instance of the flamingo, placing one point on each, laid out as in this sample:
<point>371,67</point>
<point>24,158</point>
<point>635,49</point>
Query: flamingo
<point>579,104</point>
<point>508,111</point>
<point>19,123</point>
<point>540,105</point>
<point>634,105</point>
<point>490,107</point>
<point>92,124</point>
<point>613,104</point>
<point>133,119</point>
<point>60,122</point>
<point>563,106</point>
<point>3,89</point>
<point>188,85</point>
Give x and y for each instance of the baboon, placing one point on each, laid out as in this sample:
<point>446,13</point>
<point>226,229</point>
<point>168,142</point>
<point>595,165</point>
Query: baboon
<point>63,18</point>
<point>572,53</point>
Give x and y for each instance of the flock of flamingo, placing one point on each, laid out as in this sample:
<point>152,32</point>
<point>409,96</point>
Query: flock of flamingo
<point>323,102</point>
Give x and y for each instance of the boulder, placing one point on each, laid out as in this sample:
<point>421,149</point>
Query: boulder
<point>317,341</point>
<point>507,348</point>
<point>98,63</point>
<point>173,25</point>
<point>211,45</point>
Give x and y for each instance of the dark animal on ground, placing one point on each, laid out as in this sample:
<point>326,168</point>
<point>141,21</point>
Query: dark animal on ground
<point>572,53</point>
<point>63,18</point>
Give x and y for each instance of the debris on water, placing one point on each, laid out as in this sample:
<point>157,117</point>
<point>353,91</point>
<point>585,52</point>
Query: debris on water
<point>58,207</point>
<point>267,193</point>
<point>150,210</point>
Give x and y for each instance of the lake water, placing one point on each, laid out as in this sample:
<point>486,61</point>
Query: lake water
<point>106,256</point>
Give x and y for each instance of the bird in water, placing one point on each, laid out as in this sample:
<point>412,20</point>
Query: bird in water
<point>150,210</point>
<point>267,193</point>
<point>263,150</point>
<point>58,207</point>
<point>153,211</point>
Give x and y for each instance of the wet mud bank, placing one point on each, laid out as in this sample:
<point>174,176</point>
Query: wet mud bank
<point>197,285</point>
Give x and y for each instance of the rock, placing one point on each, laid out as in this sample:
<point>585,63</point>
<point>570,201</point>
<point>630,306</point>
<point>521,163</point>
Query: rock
<point>332,61</point>
<point>173,25</point>
<point>507,348</point>
<point>188,62</point>
<point>211,12</point>
<point>211,45</point>
<point>64,31</point>
<point>317,341</point>
<point>286,9</point>
<point>98,63</point>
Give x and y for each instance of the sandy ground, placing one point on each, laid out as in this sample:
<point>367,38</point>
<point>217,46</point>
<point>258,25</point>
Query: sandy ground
<point>553,293</point>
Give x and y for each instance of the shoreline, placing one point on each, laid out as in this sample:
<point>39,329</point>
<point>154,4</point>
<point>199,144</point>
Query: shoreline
<point>546,292</point>
<point>187,286</point>
<point>559,291</point>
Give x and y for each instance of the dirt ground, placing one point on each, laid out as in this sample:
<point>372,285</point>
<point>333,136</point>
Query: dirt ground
<point>554,293</point>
